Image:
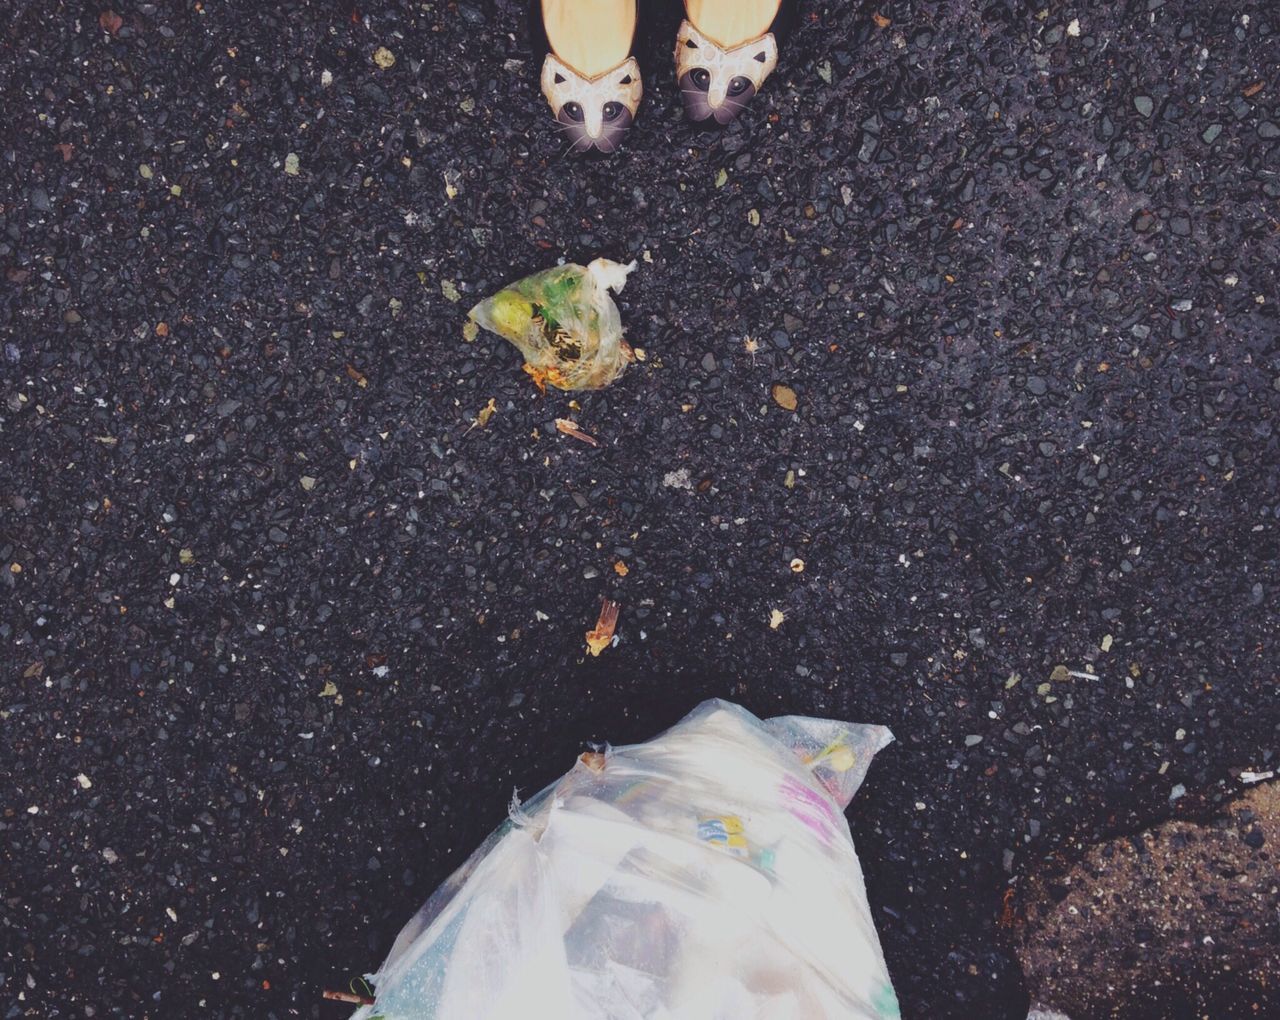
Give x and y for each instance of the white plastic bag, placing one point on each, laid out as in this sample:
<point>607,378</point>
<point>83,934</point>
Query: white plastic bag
<point>565,324</point>
<point>707,874</point>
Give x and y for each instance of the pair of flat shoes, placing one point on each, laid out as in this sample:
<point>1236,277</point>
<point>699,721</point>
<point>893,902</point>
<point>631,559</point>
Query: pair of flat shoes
<point>724,51</point>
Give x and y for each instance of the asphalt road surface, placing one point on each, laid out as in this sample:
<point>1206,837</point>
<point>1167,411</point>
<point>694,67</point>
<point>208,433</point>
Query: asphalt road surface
<point>280,629</point>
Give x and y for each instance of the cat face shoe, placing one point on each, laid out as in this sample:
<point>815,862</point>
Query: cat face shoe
<point>593,113</point>
<point>717,83</point>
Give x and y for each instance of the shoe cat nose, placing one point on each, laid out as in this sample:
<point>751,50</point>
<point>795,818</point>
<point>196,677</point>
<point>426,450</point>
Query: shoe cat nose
<point>704,101</point>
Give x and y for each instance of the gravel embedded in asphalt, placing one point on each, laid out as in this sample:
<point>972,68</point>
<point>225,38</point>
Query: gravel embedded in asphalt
<point>301,627</point>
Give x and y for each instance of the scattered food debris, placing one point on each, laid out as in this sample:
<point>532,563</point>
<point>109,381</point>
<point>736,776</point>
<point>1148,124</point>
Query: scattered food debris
<point>601,636</point>
<point>291,166</point>
<point>356,376</point>
<point>797,565</point>
<point>384,58</point>
<point>486,412</point>
<point>776,616</point>
<point>621,569</point>
<point>570,428</point>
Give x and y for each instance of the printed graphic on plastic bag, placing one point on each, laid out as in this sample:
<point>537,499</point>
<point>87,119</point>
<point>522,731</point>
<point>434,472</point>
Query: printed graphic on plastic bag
<point>565,324</point>
<point>707,874</point>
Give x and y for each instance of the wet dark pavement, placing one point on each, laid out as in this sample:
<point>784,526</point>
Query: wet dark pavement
<point>281,630</point>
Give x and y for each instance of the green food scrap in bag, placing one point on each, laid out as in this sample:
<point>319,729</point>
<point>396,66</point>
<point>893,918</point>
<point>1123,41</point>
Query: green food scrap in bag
<point>565,324</point>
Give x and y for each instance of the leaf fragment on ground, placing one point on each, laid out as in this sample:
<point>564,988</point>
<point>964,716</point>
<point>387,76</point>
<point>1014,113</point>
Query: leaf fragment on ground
<point>450,291</point>
<point>621,569</point>
<point>291,165</point>
<point>486,412</point>
<point>881,20</point>
<point>110,22</point>
<point>470,330</point>
<point>784,397</point>
<point>357,376</point>
<point>570,428</point>
<point>601,636</point>
<point>330,690</point>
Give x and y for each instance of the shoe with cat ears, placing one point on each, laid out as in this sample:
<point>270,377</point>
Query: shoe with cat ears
<point>590,78</point>
<point>594,113</point>
<point>716,80</point>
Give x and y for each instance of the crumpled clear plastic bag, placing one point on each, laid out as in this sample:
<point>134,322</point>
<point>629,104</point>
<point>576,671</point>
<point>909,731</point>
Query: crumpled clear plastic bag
<point>707,874</point>
<point>565,324</point>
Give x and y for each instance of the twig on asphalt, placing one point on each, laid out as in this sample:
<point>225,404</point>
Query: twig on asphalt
<point>357,1000</point>
<point>570,428</point>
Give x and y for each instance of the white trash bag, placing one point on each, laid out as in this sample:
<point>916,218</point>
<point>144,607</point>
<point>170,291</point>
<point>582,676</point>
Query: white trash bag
<point>707,874</point>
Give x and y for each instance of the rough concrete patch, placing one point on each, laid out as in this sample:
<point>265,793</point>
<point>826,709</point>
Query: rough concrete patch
<point>1179,920</point>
